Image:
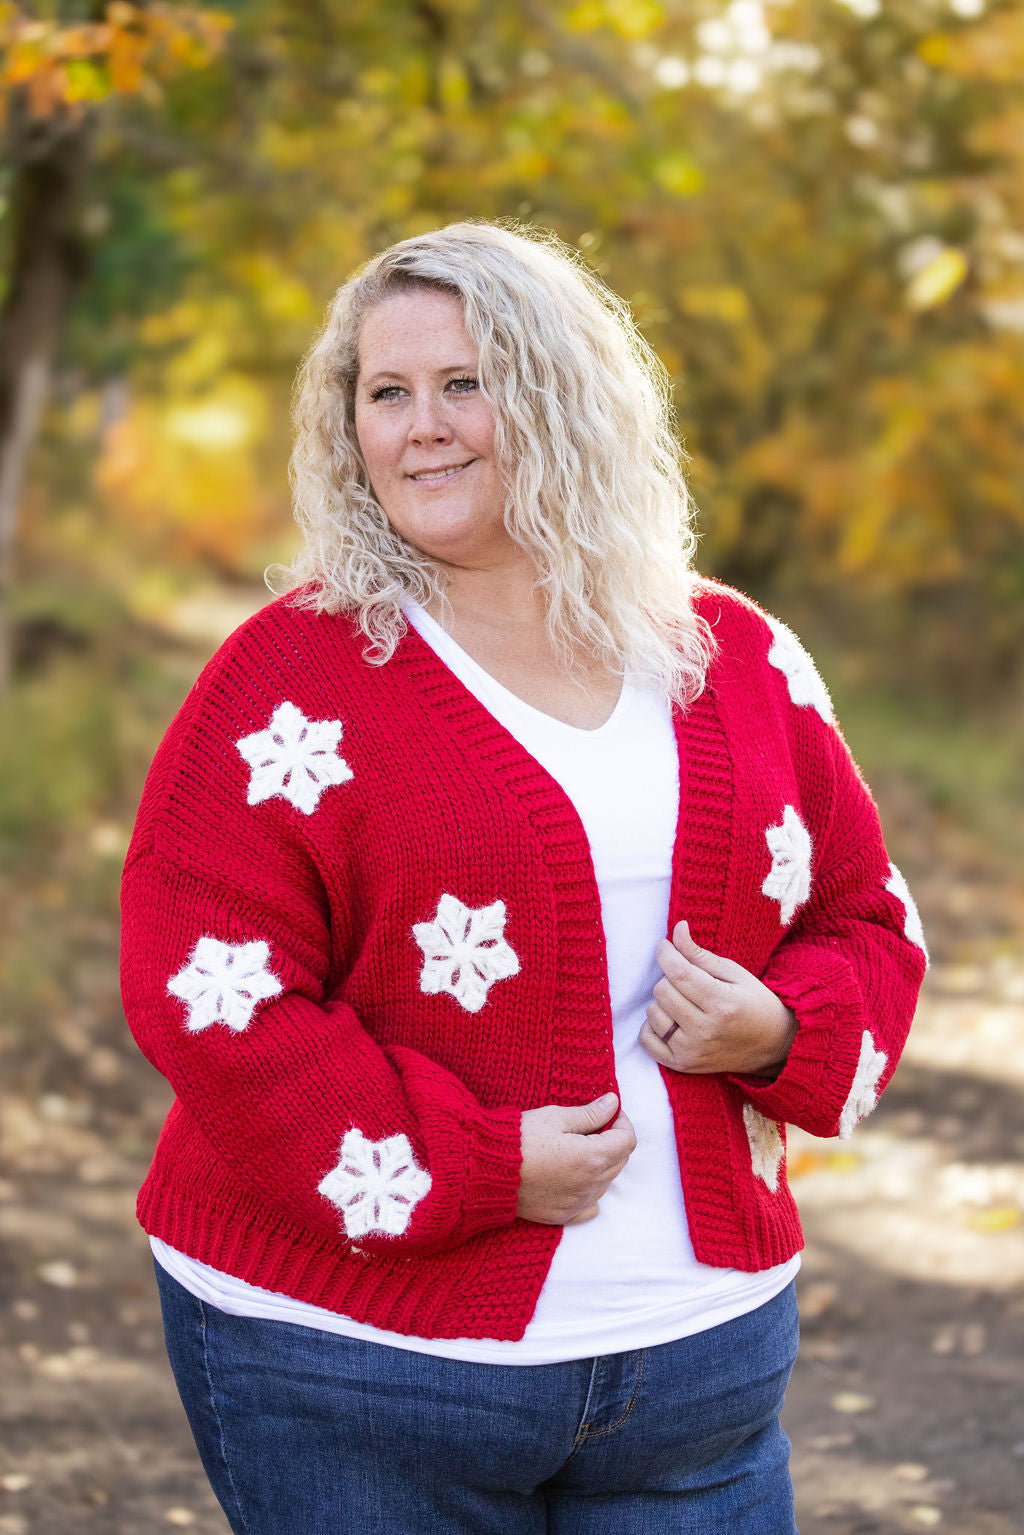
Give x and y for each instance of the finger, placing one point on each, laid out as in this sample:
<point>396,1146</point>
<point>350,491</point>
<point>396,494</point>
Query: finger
<point>616,1148</point>
<point>588,1118</point>
<point>682,1024</point>
<point>689,1011</point>
<point>662,1022</point>
<point>714,964</point>
<point>623,1125</point>
<point>693,984</point>
<point>655,1047</point>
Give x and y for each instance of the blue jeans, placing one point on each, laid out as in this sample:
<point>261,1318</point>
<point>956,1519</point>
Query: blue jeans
<point>304,1432</point>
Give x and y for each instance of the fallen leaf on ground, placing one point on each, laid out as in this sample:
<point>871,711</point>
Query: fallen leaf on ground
<point>817,1298</point>
<point>63,1275</point>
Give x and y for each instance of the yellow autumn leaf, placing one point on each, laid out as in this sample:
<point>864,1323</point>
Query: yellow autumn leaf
<point>999,1218</point>
<point>678,173</point>
<point>282,295</point>
<point>377,81</point>
<point>937,280</point>
<point>634,19</point>
<point>936,50</point>
<point>84,82</point>
<point>715,302</point>
<point>529,164</point>
<point>454,85</point>
<point>587,16</point>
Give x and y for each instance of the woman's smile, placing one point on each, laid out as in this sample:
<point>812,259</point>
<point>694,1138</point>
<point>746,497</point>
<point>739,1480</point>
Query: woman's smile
<point>434,479</point>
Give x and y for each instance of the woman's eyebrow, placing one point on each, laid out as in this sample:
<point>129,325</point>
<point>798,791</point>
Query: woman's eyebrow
<point>452,367</point>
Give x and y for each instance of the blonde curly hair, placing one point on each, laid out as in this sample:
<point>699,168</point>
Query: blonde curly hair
<point>584,442</point>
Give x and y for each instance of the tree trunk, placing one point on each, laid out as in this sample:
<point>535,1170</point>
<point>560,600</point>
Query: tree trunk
<point>47,261</point>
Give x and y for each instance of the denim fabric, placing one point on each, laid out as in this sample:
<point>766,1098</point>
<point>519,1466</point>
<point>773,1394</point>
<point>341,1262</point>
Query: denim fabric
<point>305,1432</point>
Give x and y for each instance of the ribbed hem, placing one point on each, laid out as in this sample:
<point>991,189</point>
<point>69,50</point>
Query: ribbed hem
<point>735,1220</point>
<point>487,1287</point>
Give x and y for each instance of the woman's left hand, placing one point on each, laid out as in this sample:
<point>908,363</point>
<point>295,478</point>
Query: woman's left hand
<point>709,1014</point>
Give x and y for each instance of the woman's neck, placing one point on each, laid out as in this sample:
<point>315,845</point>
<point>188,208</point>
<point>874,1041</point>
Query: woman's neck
<point>493,600</point>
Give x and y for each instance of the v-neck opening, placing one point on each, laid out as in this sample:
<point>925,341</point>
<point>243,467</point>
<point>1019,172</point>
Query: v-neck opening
<point>574,731</point>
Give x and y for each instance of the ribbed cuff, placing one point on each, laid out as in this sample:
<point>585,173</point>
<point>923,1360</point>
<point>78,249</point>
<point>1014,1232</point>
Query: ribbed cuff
<point>812,1087</point>
<point>493,1165</point>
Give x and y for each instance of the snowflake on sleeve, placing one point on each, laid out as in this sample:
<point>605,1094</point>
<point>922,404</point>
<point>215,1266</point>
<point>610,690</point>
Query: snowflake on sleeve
<point>465,951</point>
<point>224,983</point>
<point>766,1145</point>
<point>789,881</point>
<point>375,1184</point>
<point>806,688</point>
<point>863,1094</point>
<point>295,758</point>
<point>912,925</point>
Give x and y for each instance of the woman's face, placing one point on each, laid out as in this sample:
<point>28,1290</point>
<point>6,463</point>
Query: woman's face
<point>426,432</point>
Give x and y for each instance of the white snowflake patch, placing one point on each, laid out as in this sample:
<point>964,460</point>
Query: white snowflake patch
<point>375,1184</point>
<point>294,757</point>
<point>766,1145</point>
<point>806,688</point>
<point>789,882</point>
<point>864,1092</point>
<point>465,951</point>
<point>224,983</point>
<point>912,925</point>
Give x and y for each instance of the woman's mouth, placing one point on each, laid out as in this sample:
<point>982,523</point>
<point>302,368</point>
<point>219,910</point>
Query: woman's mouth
<point>439,476</point>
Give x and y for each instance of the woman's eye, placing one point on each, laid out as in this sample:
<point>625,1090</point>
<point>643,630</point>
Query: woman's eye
<point>462,385</point>
<point>385,392</point>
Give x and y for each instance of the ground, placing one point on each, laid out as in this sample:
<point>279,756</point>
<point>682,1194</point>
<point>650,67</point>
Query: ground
<point>905,1407</point>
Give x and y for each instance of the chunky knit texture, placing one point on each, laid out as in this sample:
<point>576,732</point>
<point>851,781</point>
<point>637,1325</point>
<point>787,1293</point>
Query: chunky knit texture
<point>362,933</point>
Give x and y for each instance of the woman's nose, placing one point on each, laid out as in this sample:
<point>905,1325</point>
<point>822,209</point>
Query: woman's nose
<point>429,423</point>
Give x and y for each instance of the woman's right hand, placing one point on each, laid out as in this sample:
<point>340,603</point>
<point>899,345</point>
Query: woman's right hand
<point>570,1156</point>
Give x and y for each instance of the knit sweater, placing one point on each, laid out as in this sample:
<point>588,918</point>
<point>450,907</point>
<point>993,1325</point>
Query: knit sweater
<point>362,934</point>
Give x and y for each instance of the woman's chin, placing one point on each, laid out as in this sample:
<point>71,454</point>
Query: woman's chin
<point>459,540</point>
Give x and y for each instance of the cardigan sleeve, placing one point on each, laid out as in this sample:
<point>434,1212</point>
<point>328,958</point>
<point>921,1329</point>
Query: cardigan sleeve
<point>227,998</point>
<point>850,966</point>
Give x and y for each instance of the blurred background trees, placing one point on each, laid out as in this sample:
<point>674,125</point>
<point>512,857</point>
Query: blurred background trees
<point>814,207</point>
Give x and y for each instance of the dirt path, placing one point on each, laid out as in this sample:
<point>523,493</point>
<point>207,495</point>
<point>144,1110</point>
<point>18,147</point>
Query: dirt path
<point>906,1408</point>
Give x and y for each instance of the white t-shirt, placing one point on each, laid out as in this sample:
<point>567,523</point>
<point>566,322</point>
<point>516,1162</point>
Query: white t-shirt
<point>627,1279</point>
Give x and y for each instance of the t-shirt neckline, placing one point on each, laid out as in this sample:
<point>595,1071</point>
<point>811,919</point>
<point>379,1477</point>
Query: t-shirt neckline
<point>574,731</point>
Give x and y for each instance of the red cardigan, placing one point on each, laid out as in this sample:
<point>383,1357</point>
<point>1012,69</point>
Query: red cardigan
<point>362,933</point>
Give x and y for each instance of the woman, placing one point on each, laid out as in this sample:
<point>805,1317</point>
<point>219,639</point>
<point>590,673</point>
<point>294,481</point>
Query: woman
<point>471,1211</point>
